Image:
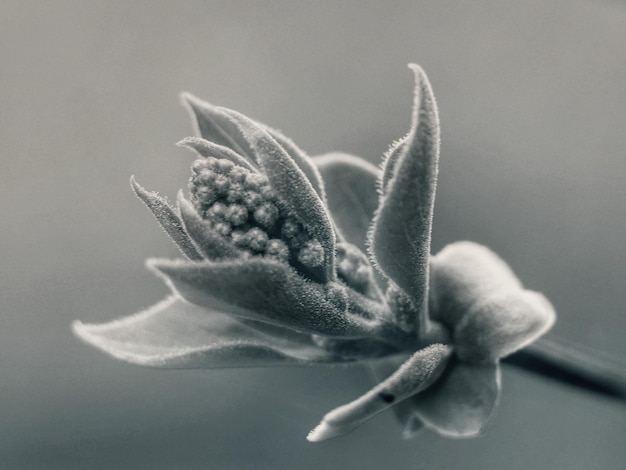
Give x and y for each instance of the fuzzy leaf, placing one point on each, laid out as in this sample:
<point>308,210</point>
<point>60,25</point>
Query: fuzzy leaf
<point>481,300</point>
<point>351,195</point>
<point>417,373</point>
<point>404,411</point>
<point>301,159</point>
<point>176,334</point>
<point>214,125</point>
<point>169,220</point>
<point>210,243</point>
<point>461,402</point>
<point>291,186</point>
<point>390,159</point>
<point>204,148</point>
<point>401,232</point>
<point>261,289</point>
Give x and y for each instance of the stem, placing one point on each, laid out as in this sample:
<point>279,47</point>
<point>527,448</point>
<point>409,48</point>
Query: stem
<point>573,365</point>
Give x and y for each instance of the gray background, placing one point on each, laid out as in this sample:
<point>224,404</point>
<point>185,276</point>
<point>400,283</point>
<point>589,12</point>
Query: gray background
<point>532,97</point>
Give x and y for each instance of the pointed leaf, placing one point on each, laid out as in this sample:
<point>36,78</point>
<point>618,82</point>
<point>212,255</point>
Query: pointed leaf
<point>292,187</point>
<point>204,148</point>
<point>462,401</point>
<point>261,289</point>
<point>168,219</point>
<point>417,373</point>
<point>350,184</point>
<point>400,235</point>
<point>481,300</point>
<point>214,125</point>
<point>210,243</point>
<point>176,334</point>
<point>304,162</point>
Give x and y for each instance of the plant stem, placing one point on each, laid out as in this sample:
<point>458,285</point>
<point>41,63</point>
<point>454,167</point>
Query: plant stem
<point>573,365</point>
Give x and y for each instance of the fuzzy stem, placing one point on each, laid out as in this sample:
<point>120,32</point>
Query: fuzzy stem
<point>573,365</point>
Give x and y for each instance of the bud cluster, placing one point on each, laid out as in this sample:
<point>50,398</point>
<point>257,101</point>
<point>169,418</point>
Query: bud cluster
<point>241,205</point>
<point>353,267</point>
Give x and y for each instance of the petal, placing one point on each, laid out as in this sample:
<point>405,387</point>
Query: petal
<point>502,324</point>
<point>481,300</point>
<point>351,194</point>
<point>401,232</point>
<point>461,402</point>
<point>176,334</point>
<point>212,245</point>
<point>261,289</point>
<point>417,373</point>
<point>291,186</point>
<point>404,411</point>
<point>204,148</point>
<point>214,125</point>
<point>168,219</point>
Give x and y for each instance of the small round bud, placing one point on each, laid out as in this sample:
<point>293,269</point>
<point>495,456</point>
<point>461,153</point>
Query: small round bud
<point>223,228</point>
<point>216,212</point>
<point>237,214</point>
<point>198,165</point>
<point>257,239</point>
<point>206,177</point>
<point>235,194</point>
<point>266,215</point>
<point>290,228</point>
<point>277,249</point>
<point>237,175</point>
<point>221,184</point>
<point>205,195</point>
<point>311,254</point>
<point>240,238</point>
<point>251,199</point>
<point>254,181</point>
<point>211,163</point>
<point>224,166</point>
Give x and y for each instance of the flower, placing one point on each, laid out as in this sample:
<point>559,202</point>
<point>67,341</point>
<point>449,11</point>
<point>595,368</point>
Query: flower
<point>277,274</point>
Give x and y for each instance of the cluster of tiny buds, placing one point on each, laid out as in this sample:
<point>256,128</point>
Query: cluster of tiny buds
<point>353,267</point>
<point>240,204</point>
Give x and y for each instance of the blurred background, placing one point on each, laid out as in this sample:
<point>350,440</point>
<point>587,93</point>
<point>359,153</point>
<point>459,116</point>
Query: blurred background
<point>532,101</point>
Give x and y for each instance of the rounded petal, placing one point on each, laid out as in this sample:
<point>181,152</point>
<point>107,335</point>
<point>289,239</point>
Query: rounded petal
<point>176,334</point>
<point>462,401</point>
<point>417,373</point>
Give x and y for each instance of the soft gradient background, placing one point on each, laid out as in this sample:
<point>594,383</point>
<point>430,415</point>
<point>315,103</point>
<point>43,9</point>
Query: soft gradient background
<point>532,97</point>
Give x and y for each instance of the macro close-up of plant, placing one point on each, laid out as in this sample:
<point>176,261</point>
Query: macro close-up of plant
<point>293,260</point>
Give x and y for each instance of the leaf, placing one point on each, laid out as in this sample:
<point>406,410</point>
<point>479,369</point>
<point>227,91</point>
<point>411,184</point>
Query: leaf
<point>390,159</point>
<point>212,245</point>
<point>176,334</point>
<point>401,231</point>
<point>462,401</point>
<point>351,195</point>
<point>417,373</point>
<point>264,290</point>
<point>204,148</point>
<point>478,296</point>
<point>304,162</point>
<point>168,219</point>
<point>292,187</point>
<point>214,125</point>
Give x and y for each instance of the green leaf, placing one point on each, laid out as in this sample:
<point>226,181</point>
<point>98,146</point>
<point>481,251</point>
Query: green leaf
<point>462,401</point>
<point>481,300</point>
<point>264,290</point>
<point>214,125</point>
<point>292,187</point>
<point>176,334</point>
<point>204,148</point>
<point>210,243</point>
<point>351,195</point>
<point>169,220</point>
<point>400,235</point>
<point>417,373</point>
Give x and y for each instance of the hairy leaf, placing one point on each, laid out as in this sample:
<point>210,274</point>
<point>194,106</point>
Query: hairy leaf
<point>176,334</point>
<point>265,290</point>
<point>417,373</point>
<point>169,220</point>
<point>204,148</point>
